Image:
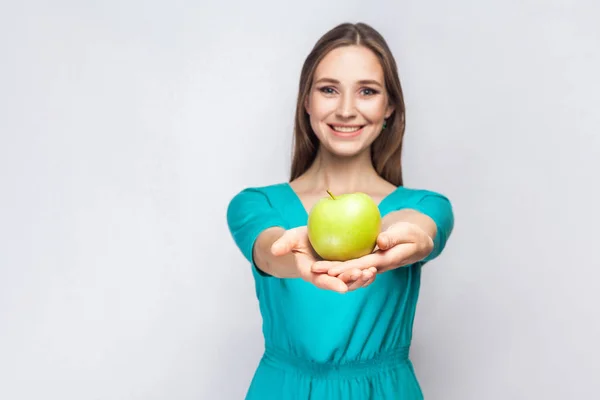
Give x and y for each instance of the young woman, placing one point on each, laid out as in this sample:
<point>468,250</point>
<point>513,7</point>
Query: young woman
<point>340,330</point>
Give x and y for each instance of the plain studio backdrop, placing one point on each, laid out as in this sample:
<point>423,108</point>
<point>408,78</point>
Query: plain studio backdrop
<point>126,128</point>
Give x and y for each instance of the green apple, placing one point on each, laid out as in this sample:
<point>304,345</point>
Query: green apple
<point>344,227</point>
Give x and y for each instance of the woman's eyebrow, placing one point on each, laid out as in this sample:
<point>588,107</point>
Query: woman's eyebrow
<point>362,81</point>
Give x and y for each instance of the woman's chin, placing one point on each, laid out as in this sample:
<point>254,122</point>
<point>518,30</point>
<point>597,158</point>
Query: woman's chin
<point>345,149</point>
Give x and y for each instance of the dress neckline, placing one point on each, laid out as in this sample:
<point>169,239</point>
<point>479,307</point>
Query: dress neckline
<point>296,199</point>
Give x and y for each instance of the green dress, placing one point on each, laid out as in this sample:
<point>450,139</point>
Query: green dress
<point>321,344</point>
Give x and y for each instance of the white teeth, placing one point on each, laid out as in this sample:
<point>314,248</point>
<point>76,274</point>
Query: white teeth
<point>345,129</point>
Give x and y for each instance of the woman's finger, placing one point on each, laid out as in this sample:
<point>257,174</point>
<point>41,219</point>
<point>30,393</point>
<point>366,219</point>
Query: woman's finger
<point>350,278</point>
<point>327,282</point>
<point>400,232</point>
<point>370,260</point>
<point>370,281</point>
<point>324,266</point>
<point>286,243</point>
<point>399,255</point>
<point>365,276</point>
<point>351,275</point>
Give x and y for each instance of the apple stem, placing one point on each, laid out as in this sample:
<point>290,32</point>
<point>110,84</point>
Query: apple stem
<point>332,196</point>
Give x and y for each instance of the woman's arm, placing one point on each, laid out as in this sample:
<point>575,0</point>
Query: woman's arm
<point>423,221</point>
<point>288,254</point>
<point>280,266</point>
<point>258,231</point>
<point>417,232</point>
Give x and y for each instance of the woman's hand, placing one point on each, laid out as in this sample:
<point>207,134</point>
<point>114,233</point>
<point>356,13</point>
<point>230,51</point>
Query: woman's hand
<point>401,244</point>
<point>296,241</point>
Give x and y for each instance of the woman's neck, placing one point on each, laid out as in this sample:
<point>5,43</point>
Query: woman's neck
<point>340,174</point>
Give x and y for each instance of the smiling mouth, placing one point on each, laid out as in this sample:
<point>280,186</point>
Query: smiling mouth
<point>346,129</point>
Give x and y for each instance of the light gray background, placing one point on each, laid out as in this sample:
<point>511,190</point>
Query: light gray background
<point>126,127</point>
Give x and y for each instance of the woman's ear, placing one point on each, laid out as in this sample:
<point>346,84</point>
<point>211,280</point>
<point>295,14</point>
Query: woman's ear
<point>389,110</point>
<point>307,105</point>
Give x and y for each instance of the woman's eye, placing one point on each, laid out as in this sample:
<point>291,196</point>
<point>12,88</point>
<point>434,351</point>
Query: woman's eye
<point>327,90</point>
<point>369,92</point>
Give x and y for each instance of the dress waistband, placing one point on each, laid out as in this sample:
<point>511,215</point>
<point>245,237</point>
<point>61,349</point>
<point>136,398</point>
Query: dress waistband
<point>383,361</point>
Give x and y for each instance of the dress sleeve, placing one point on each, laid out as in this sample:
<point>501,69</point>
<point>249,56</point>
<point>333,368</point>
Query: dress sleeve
<point>438,208</point>
<point>248,214</point>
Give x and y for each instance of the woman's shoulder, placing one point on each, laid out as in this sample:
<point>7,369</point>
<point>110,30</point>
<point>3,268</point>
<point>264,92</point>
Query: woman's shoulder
<point>414,194</point>
<point>432,203</point>
<point>268,190</point>
<point>260,194</point>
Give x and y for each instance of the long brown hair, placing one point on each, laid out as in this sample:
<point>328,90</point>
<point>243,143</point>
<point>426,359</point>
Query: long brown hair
<point>386,150</point>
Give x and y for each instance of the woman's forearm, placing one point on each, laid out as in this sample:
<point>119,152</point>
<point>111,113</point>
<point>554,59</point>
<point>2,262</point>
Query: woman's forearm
<point>412,216</point>
<point>277,266</point>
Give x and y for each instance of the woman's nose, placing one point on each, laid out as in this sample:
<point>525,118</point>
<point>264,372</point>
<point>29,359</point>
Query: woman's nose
<point>346,107</point>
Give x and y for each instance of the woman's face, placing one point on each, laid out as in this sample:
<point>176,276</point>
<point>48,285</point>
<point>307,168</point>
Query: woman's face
<point>348,102</point>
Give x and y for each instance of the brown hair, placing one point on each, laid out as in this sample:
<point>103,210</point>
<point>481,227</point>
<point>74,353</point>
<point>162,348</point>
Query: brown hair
<point>386,150</point>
